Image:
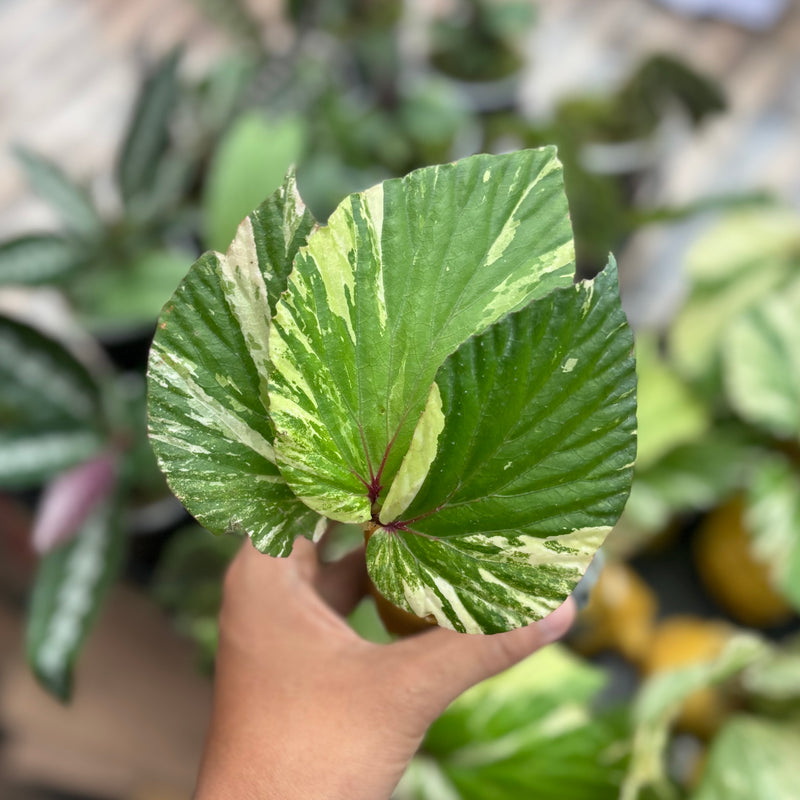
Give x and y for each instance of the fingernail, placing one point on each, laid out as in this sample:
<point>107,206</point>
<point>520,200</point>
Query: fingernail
<point>581,592</point>
<point>556,624</point>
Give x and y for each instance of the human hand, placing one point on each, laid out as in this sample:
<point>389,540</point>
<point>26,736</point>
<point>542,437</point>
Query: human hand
<point>304,709</point>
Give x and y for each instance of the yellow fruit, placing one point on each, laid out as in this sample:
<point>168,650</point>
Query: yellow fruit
<point>683,640</point>
<point>619,615</point>
<point>736,580</point>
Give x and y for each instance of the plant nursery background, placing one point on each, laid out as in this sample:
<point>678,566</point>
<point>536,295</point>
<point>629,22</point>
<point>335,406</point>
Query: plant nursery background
<point>134,136</point>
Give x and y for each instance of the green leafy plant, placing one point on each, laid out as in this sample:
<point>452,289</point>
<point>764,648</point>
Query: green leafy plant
<point>479,41</point>
<point>77,429</point>
<point>137,255</point>
<point>610,141</point>
<point>354,371</point>
<point>529,732</point>
<point>730,432</point>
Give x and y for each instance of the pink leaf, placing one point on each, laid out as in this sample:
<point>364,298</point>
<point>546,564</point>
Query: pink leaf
<point>70,498</point>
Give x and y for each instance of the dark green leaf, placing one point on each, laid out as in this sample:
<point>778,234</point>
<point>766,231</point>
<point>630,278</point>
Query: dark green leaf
<point>50,407</point>
<point>188,578</point>
<point>41,382</point>
<point>148,132</point>
<point>39,258</point>
<point>533,466</point>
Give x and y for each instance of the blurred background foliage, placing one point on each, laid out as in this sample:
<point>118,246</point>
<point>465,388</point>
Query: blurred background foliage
<point>682,677</point>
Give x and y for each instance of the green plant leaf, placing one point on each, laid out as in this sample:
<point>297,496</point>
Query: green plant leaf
<point>71,201</point>
<point>517,502</point>
<point>741,240</point>
<point>188,577</point>
<point>41,381</point>
<point>114,300</point>
<point>528,732</point>
<point>740,261</point>
<point>772,517</point>
<point>775,681</point>
<point>669,414</point>
<point>752,758</point>
<point>248,165</point>
<point>51,413</point>
<point>761,362</point>
<point>401,276</point>
<point>38,258</point>
<point>208,381</point>
<point>147,136</point>
<point>31,456</point>
<point>659,702</point>
<point>71,584</point>
<point>693,476</point>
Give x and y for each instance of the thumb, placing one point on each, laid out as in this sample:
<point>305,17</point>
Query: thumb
<point>452,662</point>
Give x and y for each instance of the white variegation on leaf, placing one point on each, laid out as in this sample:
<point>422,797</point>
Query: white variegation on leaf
<point>659,702</point>
<point>208,381</point>
<point>51,411</point>
<point>422,364</point>
<point>752,757</point>
<point>70,585</point>
<point>743,259</point>
<point>762,364</point>
<point>402,275</point>
<point>772,516</point>
<point>533,468</point>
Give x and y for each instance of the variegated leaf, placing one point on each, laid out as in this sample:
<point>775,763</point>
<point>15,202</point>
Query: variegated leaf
<point>401,276</point>
<point>762,364</point>
<point>70,200</point>
<point>51,414</point>
<point>31,456</point>
<point>532,470</point>
<point>70,586</point>
<point>530,732</point>
<point>41,382</point>
<point>39,258</point>
<point>752,757</point>
<point>208,381</point>
<point>141,156</point>
<point>658,704</point>
<point>744,258</point>
<point>772,517</point>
